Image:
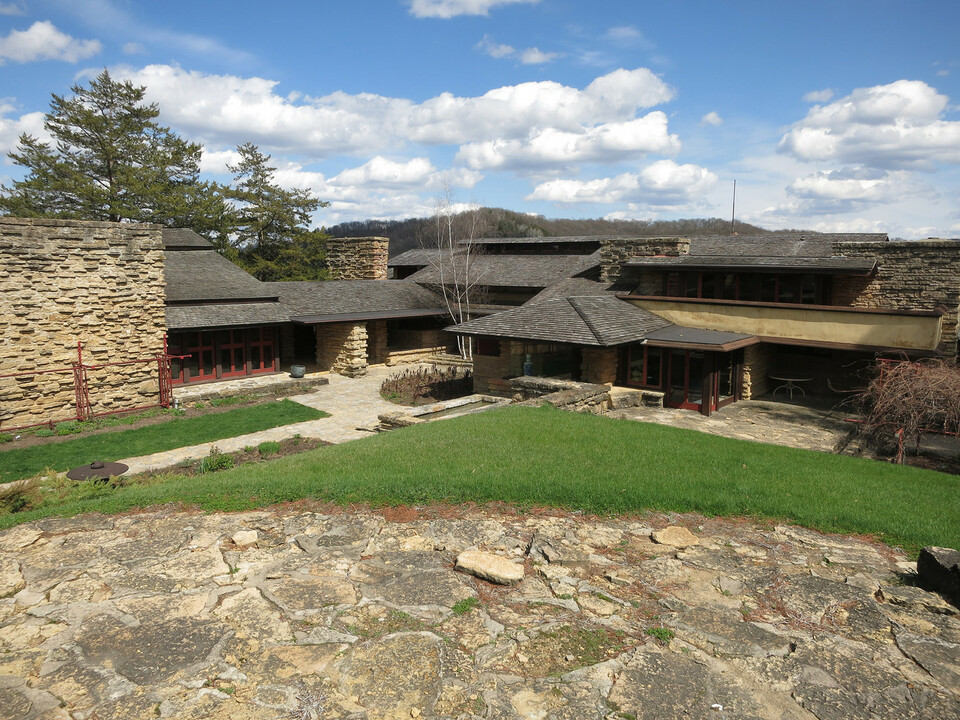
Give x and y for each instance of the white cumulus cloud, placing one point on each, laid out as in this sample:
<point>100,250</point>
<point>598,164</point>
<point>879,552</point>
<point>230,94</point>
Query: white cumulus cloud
<point>551,147</point>
<point>494,49</point>
<point>899,125</point>
<point>224,110</point>
<point>661,183</point>
<point>43,41</point>
<point>446,9</point>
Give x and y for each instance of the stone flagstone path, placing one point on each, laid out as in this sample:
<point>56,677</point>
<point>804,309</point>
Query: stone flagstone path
<point>364,616</point>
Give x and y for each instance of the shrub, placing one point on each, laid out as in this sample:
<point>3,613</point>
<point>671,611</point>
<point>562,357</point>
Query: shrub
<point>417,386</point>
<point>216,460</point>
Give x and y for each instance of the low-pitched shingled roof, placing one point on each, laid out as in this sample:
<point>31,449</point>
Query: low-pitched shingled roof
<point>592,320</point>
<point>204,275</point>
<point>350,297</point>
<point>535,271</point>
<point>225,315</point>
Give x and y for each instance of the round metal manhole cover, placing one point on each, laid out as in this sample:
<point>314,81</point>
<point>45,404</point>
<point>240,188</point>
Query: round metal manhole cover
<point>97,471</point>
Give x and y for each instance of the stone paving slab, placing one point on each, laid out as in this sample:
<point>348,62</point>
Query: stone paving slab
<point>266,615</point>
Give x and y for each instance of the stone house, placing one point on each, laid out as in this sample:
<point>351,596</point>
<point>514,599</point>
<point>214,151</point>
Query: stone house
<point>705,321</point>
<point>88,311</point>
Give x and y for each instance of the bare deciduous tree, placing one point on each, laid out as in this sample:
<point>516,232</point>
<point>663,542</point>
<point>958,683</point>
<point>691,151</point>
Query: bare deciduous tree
<point>906,399</point>
<point>454,230</point>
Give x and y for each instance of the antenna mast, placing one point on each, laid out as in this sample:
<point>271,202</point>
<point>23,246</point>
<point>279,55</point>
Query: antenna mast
<point>733,214</point>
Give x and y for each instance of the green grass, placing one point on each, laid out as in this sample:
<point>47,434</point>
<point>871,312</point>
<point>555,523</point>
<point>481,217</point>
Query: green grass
<point>544,457</point>
<point>178,432</point>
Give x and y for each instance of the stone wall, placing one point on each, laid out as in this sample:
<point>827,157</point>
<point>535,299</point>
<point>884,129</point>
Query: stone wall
<point>599,365</point>
<point>342,348</point>
<point>757,361</point>
<point>64,282</point>
<point>562,394</point>
<point>914,275</point>
<point>616,251</point>
<point>358,258</point>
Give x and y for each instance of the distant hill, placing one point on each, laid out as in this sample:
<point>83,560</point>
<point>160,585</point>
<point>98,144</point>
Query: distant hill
<point>496,222</point>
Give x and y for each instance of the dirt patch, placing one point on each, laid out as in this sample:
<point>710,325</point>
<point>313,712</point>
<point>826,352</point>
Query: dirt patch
<point>254,454</point>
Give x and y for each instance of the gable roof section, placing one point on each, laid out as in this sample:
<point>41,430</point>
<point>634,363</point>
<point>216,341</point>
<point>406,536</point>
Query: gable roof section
<point>205,275</point>
<point>183,239</point>
<point>529,271</point>
<point>780,245</point>
<point>591,320</point>
<point>342,299</point>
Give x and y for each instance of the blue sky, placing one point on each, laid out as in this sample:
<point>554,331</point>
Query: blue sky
<point>834,116</point>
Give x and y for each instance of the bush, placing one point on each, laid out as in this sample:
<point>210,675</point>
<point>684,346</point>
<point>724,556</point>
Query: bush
<point>216,460</point>
<point>418,386</point>
<point>907,399</point>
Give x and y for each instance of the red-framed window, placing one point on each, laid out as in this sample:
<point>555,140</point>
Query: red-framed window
<point>645,366</point>
<point>232,351</point>
<point>260,342</point>
<point>221,353</point>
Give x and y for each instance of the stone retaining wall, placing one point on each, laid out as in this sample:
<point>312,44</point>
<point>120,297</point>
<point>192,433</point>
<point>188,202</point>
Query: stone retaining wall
<point>62,282</point>
<point>562,394</point>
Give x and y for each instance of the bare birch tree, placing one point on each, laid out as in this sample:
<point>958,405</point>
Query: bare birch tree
<point>454,230</point>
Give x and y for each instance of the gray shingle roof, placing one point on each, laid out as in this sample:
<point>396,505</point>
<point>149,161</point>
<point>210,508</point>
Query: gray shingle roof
<point>598,321</point>
<point>195,275</point>
<point>418,257</point>
<point>183,317</point>
<point>572,287</point>
<point>533,271</point>
<point>348,297</point>
<point>777,244</point>
<point>562,240</point>
<point>183,238</point>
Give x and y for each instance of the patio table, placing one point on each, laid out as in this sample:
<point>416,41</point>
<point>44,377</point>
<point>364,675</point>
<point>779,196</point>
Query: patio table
<point>790,384</point>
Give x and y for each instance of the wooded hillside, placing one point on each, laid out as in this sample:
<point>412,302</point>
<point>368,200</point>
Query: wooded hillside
<point>497,222</point>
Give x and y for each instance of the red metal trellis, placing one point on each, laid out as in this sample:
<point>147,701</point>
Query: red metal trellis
<point>81,386</point>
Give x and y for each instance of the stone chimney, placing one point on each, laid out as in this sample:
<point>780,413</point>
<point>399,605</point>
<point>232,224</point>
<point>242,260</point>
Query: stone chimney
<point>360,258</point>
<point>616,251</point>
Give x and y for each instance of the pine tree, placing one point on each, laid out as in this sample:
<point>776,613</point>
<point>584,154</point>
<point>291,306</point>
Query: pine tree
<point>270,231</point>
<point>111,160</point>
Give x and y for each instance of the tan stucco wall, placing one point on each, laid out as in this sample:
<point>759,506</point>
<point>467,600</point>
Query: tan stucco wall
<point>64,282</point>
<point>910,332</point>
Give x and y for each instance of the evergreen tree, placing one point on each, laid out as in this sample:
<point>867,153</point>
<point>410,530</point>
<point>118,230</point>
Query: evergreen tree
<point>111,160</point>
<point>271,224</point>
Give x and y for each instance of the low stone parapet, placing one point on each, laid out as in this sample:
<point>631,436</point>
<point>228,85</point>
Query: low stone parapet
<point>562,394</point>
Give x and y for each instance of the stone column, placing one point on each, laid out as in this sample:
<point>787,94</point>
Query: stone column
<point>342,348</point>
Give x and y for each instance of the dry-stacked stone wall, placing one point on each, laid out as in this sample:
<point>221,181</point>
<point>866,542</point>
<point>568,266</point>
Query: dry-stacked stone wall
<point>342,348</point>
<point>363,258</point>
<point>64,282</point>
<point>616,251</point>
<point>915,275</point>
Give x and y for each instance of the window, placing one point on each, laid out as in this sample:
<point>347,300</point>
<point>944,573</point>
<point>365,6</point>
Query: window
<point>645,366</point>
<point>488,346</point>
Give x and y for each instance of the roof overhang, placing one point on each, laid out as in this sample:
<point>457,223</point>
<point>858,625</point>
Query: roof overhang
<point>370,315</point>
<point>675,336</point>
<point>831,265</point>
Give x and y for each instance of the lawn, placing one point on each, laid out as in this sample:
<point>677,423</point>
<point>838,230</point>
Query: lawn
<point>175,433</point>
<point>545,457</point>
